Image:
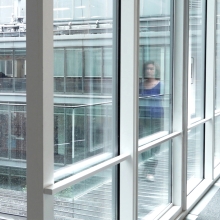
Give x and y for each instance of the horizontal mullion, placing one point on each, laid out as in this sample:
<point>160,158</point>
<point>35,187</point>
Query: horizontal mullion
<point>63,184</point>
<point>217,113</point>
<point>152,144</point>
<point>203,121</point>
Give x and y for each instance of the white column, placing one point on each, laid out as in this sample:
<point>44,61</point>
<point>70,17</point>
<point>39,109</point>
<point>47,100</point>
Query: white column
<point>129,108</point>
<point>180,101</point>
<point>39,108</point>
<point>210,88</point>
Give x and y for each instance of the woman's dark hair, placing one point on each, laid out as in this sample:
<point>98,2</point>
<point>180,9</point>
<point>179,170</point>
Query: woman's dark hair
<point>157,68</point>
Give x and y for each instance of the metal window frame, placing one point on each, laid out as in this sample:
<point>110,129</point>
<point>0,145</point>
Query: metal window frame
<point>40,152</point>
<point>40,112</point>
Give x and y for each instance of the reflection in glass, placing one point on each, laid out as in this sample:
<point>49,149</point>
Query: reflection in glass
<point>84,56</point>
<point>155,88</point>
<point>13,108</point>
<point>93,198</point>
<point>217,142</point>
<point>195,157</point>
<point>13,159</point>
<point>197,35</point>
<point>154,178</point>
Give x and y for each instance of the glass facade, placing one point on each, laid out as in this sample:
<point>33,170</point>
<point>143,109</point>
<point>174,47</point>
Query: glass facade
<point>195,157</point>
<point>93,198</point>
<point>196,76</point>
<point>217,74</point>
<point>83,124</point>
<point>101,170</point>
<point>154,178</point>
<point>155,72</point>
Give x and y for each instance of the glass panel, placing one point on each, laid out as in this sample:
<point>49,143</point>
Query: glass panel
<point>217,141</point>
<point>74,62</point>
<point>20,70</point>
<point>6,70</point>
<point>195,157</point>
<point>12,159</point>
<point>63,10</point>
<point>82,133</point>
<point>217,85</point>
<point>6,11</point>
<point>154,181</point>
<point>93,198</point>
<point>197,36</point>
<point>84,126</point>
<point>93,62</point>
<point>155,72</point>
<point>13,108</point>
<point>59,70</point>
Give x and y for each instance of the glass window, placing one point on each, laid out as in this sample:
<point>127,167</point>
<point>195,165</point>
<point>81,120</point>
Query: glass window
<point>217,85</point>
<point>154,178</point>
<point>197,36</point>
<point>93,62</point>
<point>20,70</point>
<point>74,62</point>
<point>6,68</point>
<point>85,118</point>
<point>93,198</point>
<point>6,11</point>
<point>59,70</point>
<point>155,72</point>
<point>195,157</point>
<point>217,142</point>
<point>63,10</point>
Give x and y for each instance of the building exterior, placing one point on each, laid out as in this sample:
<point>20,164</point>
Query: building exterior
<point>108,109</point>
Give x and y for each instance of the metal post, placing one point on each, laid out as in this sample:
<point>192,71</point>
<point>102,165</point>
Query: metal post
<point>129,108</point>
<point>210,89</point>
<point>180,100</point>
<point>40,116</point>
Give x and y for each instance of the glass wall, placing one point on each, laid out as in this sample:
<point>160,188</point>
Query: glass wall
<point>85,113</point>
<point>93,198</point>
<point>195,157</point>
<point>155,72</point>
<point>196,92</point>
<point>154,181</point>
<point>217,142</point>
<point>197,28</point>
<point>155,106</point>
<point>217,86</point>
<point>88,84</point>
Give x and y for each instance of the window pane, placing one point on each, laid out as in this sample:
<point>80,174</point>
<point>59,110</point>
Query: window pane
<point>154,178</point>
<point>93,198</point>
<point>20,70</point>
<point>217,85</point>
<point>13,108</point>
<point>195,157</point>
<point>59,70</point>
<point>6,68</point>
<point>197,35</point>
<point>93,62</point>
<point>85,110</point>
<point>217,141</point>
<point>155,72</point>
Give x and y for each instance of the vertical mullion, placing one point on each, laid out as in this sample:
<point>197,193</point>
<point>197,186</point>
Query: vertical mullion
<point>39,108</point>
<point>115,104</point>
<point>180,100</point>
<point>210,89</point>
<point>129,108</point>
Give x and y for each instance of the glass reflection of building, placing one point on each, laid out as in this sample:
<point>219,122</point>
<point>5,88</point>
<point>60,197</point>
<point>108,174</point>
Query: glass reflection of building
<point>86,103</point>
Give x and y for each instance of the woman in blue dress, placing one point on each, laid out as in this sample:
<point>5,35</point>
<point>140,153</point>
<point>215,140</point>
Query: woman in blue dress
<point>151,112</point>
